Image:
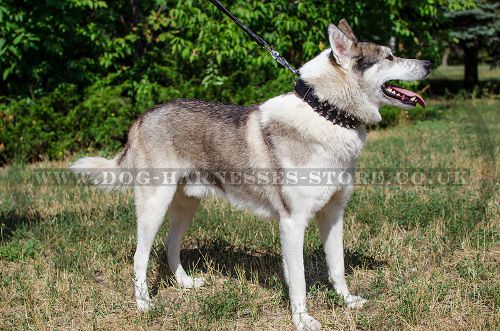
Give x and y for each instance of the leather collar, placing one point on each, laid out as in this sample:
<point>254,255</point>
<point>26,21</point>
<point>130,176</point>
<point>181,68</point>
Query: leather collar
<point>330,112</point>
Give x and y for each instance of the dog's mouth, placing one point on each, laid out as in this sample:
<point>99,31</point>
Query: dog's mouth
<point>402,95</point>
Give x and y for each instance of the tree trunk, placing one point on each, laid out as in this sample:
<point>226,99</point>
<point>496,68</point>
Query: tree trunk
<point>135,12</point>
<point>446,56</point>
<point>134,20</point>
<point>471,77</point>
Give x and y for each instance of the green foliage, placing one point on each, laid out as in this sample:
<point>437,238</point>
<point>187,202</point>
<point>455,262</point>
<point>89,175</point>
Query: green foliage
<point>45,43</point>
<point>103,128</point>
<point>30,129</point>
<point>427,113</point>
<point>390,116</point>
<point>81,41</point>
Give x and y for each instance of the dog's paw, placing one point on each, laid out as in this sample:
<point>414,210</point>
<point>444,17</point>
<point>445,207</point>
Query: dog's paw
<point>144,305</point>
<point>304,321</point>
<point>190,282</point>
<point>354,301</point>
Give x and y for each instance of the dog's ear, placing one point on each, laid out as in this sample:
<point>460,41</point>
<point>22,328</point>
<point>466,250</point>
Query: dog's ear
<point>343,48</point>
<point>346,28</point>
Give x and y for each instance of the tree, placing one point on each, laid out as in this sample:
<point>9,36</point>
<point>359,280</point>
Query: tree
<point>47,43</point>
<point>475,30</point>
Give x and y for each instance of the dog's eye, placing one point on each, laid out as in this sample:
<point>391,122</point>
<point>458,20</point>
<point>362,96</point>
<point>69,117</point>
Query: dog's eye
<point>389,57</point>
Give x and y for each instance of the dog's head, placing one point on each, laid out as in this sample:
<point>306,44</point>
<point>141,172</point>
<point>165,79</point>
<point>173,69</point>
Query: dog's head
<point>360,72</point>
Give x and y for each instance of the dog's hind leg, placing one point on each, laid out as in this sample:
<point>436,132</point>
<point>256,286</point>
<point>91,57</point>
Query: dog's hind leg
<point>151,206</point>
<point>330,222</point>
<point>182,211</point>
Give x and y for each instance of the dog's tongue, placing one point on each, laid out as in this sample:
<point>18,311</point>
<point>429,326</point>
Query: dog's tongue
<point>409,94</point>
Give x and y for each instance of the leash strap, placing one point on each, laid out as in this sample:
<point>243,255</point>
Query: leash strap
<point>276,56</point>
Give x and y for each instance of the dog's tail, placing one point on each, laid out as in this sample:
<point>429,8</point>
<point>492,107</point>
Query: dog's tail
<point>102,172</point>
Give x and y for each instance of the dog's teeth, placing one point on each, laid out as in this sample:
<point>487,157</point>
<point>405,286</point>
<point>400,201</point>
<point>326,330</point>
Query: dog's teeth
<point>413,99</point>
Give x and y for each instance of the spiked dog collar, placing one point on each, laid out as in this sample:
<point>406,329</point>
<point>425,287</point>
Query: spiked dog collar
<point>324,108</point>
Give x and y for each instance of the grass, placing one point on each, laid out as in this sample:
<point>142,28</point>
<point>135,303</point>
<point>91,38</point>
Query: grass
<point>456,72</point>
<point>425,256</point>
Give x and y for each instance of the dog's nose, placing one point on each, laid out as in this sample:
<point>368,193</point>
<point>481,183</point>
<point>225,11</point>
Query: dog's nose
<point>427,65</point>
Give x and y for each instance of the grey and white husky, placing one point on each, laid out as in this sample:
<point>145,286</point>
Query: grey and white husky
<point>285,132</point>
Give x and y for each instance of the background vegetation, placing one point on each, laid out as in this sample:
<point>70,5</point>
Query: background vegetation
<point>75,73</point>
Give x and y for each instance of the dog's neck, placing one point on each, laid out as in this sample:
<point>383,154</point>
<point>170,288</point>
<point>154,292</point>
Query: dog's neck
<point>339,87</point>
<point>325,109</point>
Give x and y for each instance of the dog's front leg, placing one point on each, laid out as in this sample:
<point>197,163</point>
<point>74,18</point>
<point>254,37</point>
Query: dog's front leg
<point>292,242</point>
<point>331,223</point>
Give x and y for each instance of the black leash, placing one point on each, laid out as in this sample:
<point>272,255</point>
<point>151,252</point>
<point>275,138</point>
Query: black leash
<point>281,60</point>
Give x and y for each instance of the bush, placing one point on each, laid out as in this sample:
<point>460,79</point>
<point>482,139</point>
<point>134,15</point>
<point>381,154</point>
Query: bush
<point>100,121</point>
<point>391,116</point>
<point>423,114</point>
<point>60,123</point>
<point>30,130</point>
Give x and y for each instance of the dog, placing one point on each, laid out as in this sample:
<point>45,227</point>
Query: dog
<point>322,125</point>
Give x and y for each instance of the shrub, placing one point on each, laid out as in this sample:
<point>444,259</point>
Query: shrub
<point>100,121</point>
<point>60,123</point>
<point>390,116</point>
<point>30,130</point>
<point>430,112</point>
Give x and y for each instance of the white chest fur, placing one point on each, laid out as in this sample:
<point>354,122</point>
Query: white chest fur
<point>316,148</point>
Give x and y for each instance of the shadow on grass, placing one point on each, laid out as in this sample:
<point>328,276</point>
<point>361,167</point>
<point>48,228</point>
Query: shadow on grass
<point>265,267</point>
<point>442,87</point>
<point>12,220</point>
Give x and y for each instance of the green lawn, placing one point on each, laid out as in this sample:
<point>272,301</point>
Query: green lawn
<point>456,72</point>
<point>425,256</point>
